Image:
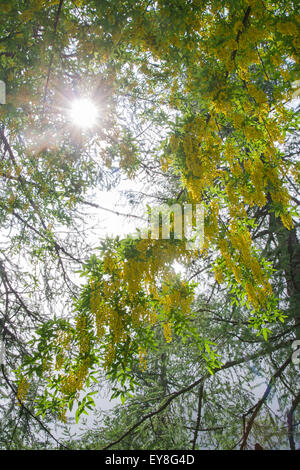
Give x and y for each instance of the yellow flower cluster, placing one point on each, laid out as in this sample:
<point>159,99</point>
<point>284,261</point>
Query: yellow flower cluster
<point>22,390</point>
<point>256,271</point>
<point>100,319</point>
<point>218,274</point>
<point>63,414</point>
<point>257,173</point>
<point>167,332</point>
<point>176,298</point>
<point>287,221</point>
<point>116,326</point>
<point>74,381</point>
<point>109,356</point>
<point>108,262</point>
<point>115,302</point>
<point>243,264</point>
<point>142,358</point>
<point>237,273</point>
<point>242,242</point>
<point>63,339</point>
<point>132,275</point>
<point>288,28</point>
<point>202,154</point>
<point>46,366</point>
<point>60,358</point>
<point>257,296</point>
<point>82,330</point>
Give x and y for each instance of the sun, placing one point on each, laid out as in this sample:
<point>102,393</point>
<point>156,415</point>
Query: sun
<point>83,113</point>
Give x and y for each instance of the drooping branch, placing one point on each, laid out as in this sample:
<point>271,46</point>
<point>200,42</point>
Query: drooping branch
<point>186,389</point>
<point>260,403</point>
<point>59,9</point>
<point>97,206</point>
<point>290,414</point>
<point>201,388</point>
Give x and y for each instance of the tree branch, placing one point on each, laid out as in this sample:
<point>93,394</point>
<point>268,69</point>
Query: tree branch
<point>30,412</point>
<point>260,403</point>
<point>190,387</point>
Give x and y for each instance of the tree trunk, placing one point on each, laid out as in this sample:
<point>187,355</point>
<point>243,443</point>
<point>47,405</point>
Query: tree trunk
<point>289,261</point>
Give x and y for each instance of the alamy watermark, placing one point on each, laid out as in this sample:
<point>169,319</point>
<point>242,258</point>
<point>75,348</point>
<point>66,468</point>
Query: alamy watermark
<point>181,221</point>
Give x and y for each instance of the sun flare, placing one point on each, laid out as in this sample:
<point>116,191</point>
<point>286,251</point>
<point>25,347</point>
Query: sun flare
<point>83,113</point>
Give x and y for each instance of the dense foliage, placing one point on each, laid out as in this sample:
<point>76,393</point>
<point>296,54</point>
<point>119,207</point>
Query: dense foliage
<point>196,102</point>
